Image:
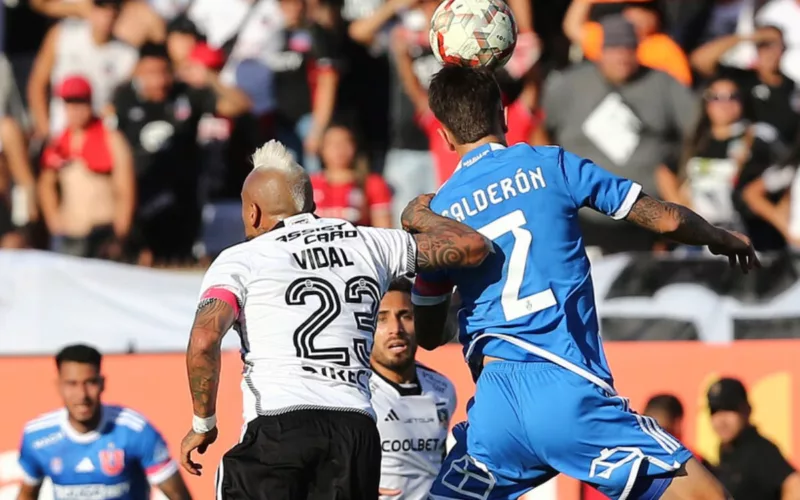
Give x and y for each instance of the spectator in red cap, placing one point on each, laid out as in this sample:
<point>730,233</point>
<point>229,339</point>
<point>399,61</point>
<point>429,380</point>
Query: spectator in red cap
<point>87,186</point>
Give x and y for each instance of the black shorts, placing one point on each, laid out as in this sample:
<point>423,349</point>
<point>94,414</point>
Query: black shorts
<point>304,455</point>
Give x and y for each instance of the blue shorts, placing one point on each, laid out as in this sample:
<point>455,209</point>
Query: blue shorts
<point>531,421</point>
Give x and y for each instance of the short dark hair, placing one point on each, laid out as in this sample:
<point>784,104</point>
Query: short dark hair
<point>79,353</point>
<point>667,403</point>
<point>157,50</point>
<point>402,285</point>
<point>467,101</point>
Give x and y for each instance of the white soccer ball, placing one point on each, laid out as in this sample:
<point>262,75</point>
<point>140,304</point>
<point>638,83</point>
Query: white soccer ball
<point>473,33</point>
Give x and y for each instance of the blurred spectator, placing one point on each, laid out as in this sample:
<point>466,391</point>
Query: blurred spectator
<point>695,22</point>
<point>715,155</point>
<point>87,184</point>
<point>667,411</point>
<point>73,47</point>
<point>750,465</point>
<point>785,15</point>
<point>182,36</point>
<point>248,32</point>
<point>770,94</point>
<point>306,82</point>
<point>160,120</point>
<point>137,23</point>
<point>345,188</point>
<point>628,119</point>
<point>11,102</point>
<point>409,166</point>
<point>170,9</point>
<point>16,176</point>
<point>766,193</point>
<point>656,50</point>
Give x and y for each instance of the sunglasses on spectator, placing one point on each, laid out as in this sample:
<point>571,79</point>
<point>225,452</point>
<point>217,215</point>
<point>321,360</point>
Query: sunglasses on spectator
<point>721,96</point>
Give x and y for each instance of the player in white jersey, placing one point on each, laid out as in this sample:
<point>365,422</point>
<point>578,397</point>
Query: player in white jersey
<point>302,293</point>
<point>413,403</point>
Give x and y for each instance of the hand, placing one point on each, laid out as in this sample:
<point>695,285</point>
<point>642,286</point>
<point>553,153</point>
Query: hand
<point>194,441</point>
<point>525,55</point>
<point>765,35</point>
<point>312,142</point>
<point>389,492</point>
<point>419,205</point>
<point>736,246</point>
<point>399,5</point>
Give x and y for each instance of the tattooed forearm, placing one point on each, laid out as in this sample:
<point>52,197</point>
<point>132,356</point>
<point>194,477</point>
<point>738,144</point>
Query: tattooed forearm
<point>213,319</point>
<point>674,221</point>
<point>445,248</point>
<point>442,242</point>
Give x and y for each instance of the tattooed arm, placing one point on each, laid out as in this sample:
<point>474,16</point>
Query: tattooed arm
<point>685,226</point>
<point>213,320</point>
<point>442,242</point>
<point>215,316</point>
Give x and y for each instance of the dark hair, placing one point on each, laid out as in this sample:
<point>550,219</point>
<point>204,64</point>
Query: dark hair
<point>400,285</point>
<point>79,353</point>
<point>182,24</point>
<point>157,50</point>
<point>467,101</point>
<point>667,403</point>
<point>700,137</point>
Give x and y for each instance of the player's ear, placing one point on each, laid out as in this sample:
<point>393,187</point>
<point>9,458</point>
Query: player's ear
<point>505,119</point>
<point>445,135</point>
<point>255,215</point>
<point>102,383</point>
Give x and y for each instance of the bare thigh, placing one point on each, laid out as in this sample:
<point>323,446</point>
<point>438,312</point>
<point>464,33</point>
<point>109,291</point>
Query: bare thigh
<point>695,482</point>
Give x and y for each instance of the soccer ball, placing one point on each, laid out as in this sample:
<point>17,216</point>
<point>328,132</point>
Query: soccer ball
<point>473,33</point>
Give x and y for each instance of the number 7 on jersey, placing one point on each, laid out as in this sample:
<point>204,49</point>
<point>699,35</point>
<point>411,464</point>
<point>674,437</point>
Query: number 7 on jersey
<point>514,306</point>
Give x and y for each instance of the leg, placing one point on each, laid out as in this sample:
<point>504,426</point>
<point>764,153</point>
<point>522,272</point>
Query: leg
<point>270,461</point>
<point>695,482</point>
<point>490,459</point>
<point>352,467</point>
<point>594,437</point>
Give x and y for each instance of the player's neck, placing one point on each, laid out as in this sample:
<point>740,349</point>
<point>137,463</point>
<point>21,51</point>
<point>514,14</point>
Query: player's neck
<point>89,425</point>
<point>464,149</point>
<point>406,375</point>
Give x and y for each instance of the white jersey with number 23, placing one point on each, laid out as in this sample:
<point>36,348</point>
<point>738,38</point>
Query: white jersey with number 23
<point>305,296</point>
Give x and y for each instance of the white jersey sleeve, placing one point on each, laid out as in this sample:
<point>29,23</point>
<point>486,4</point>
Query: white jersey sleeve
<point>226,279</point>
<point>394,250</point>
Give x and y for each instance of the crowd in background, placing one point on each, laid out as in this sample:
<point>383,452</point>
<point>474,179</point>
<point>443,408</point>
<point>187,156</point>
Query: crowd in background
<point>127,124</point>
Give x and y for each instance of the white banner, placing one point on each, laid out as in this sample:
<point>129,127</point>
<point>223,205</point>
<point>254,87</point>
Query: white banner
<point>49,300</point>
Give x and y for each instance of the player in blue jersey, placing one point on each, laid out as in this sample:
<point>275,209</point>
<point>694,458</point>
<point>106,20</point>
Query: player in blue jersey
<point>545,401</point>
<point>90,450</point>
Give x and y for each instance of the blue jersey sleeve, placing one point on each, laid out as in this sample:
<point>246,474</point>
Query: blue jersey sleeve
<point>153,455</point>
<point>29,461</point>
<point>592,186</point>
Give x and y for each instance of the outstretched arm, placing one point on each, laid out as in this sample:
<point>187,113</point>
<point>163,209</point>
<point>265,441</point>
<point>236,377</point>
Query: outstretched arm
<point>442,242</point>
<point>684,226</point>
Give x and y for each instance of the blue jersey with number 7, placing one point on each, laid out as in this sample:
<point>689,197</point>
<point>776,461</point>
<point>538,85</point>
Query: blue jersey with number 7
<point>536,286</point>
